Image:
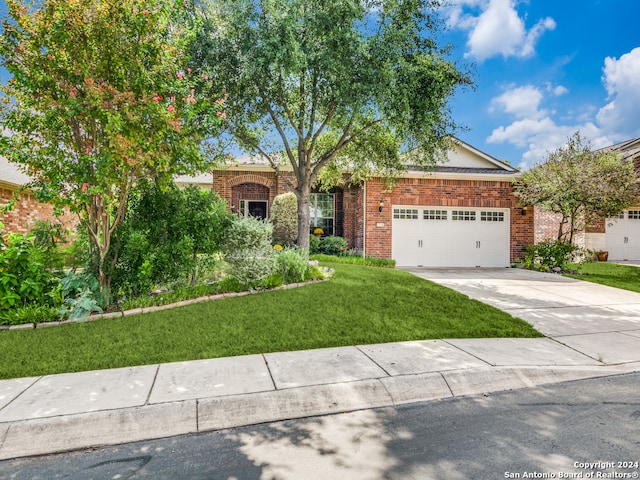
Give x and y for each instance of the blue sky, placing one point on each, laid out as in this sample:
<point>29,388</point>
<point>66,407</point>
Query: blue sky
<point>544,69</point>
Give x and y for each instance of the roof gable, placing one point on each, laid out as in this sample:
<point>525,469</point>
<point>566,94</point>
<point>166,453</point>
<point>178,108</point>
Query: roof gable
<point>464,156</point>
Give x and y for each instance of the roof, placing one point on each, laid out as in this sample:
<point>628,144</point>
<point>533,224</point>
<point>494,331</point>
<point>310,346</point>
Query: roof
<point>11,174</point>
<point>461,158</point>
<point>628,149</point>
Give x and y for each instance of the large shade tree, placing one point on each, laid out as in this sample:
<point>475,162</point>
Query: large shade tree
<point>313,84</point>
<point>100,95</point>
<point>580,184</point>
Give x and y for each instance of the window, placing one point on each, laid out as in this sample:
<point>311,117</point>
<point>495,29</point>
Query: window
<point>434,214</point>
<point>405,213</point>
<point>322,208</point>
<point>633,215</point>
<point>464,215</point>
<point>492,216</point>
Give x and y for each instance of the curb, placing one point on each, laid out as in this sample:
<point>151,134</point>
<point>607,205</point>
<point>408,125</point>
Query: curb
<point>42,436</point>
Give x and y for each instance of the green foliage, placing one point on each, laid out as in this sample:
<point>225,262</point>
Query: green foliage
<point>580,184</point>
<point>356,260</point>
<point>248,250</point>
<point>293,263</point>
<point>284,216</point>
<point>100,96</point>
<point>331,83</point>
<point>48,236</point>
<point>82,296</point>
<point>24,276</point>
<point>544,256</point>
<point>169,235</point>
<point>28,314</point>
<point>314,244</point>
<point>331,245</point>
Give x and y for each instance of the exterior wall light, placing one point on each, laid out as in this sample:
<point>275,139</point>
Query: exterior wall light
<point>524,210</point>
<point>381,205</point>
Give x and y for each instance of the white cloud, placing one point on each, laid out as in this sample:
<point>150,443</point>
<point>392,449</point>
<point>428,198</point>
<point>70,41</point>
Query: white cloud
<point>534,129</point>
<point>622,81</point>
<point>497,30</point>
<point>522,102</point>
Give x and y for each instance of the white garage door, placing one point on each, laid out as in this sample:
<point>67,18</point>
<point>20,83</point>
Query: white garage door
<point>623,236</point>
<point>450,236</point>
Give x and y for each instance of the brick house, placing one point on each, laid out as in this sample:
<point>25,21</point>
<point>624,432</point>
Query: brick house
<point>463,213</point>
<point>27,208</point>
<point>619,236</point>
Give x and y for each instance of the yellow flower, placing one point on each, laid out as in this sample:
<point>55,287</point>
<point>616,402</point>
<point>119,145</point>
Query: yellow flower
<point>318,231</point>
<point>277,247</point>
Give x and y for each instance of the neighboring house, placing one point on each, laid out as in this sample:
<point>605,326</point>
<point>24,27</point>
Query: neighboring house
<point>27,208</point>
<point>619,236</point>
<point>463,213</point>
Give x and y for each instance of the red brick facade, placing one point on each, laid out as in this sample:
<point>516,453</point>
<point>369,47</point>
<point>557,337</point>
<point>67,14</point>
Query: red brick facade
<point>442,192</point>
<point>351,214</point>
<point>26,210</point>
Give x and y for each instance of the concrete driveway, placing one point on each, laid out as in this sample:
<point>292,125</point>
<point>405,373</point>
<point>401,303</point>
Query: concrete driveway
<point>599,321</point>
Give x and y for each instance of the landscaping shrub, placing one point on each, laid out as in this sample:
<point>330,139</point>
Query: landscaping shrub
<point>333,246</point>
<point>293,264</point>
<point>248,249</point>
<point>82,296</point>
<point>28,314</point>
<point>170,236</point>
<point>284,216</point>
<point>25,278</point>
<point>545,256</point>
<point>314,244</point>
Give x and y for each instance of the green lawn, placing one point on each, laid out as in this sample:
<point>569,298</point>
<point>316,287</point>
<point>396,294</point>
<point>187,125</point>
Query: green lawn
<point>611,274</point>
<point>359,305</point>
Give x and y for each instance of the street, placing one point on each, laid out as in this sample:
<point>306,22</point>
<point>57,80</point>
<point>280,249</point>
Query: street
<point>582,429</point>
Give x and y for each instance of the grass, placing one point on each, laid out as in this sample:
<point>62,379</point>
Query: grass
<point>359,305</point>
<point>626,277</point>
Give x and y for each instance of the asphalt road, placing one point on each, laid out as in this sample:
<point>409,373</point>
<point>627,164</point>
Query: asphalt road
<point>582,429</point>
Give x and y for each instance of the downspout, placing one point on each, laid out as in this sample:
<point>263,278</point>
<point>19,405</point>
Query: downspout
<point>364,223</point>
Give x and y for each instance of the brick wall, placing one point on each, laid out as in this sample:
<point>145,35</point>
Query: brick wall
<point>233,186</point>
<point>28,209</point>
<point>442,192</point>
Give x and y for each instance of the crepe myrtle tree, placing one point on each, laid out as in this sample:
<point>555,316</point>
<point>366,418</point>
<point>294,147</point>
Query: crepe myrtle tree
<point>100,96</point>
<point>580,184</point>
<point>329,84</point>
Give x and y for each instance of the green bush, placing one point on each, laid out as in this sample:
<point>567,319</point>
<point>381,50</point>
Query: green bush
<point>314,244</point>
<point>170,236</point>
<point>545,256</point>
<point>284,216</point>
<point>333,246</point>
<point>29,314</point>
<point>293,264</point>
<point>248,250</point>
<point>25,278</point>
<point>82,296</point>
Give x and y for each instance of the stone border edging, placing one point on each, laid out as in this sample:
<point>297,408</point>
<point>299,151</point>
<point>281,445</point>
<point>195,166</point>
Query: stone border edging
<point>158,308</point>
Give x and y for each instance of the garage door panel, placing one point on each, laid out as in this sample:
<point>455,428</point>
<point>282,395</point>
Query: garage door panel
<point>622,236</point>
<point>449,236</point>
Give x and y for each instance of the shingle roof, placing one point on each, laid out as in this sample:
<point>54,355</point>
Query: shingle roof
<point>629,148</point>
<point>10,173</point>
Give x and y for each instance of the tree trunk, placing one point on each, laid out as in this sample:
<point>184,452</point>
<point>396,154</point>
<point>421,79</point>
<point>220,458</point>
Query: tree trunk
<point>303,194</point>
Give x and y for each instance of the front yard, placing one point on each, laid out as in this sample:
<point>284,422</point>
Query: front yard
<point>626,277</point>
<point>359,305</point>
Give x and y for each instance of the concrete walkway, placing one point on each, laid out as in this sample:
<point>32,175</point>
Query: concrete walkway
<point>591,331</point>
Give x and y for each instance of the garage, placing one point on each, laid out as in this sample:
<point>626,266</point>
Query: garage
<point>434,236</point>
<point>623,236</point>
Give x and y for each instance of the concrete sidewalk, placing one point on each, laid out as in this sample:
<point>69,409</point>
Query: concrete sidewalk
<point>592,331</point>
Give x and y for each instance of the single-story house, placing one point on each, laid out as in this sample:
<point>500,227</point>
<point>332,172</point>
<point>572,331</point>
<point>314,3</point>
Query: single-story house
<point>463,213</point>
<point>619,236</point>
